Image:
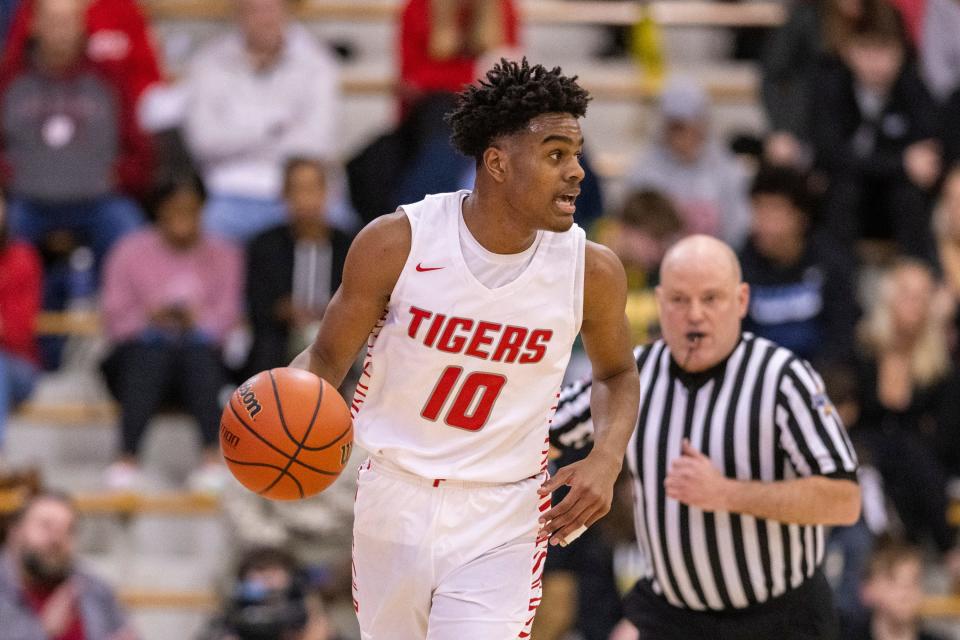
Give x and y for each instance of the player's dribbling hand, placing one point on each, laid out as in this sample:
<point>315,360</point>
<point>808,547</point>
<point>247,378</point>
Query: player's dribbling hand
<point>693,480</point>
<point>591,483</point>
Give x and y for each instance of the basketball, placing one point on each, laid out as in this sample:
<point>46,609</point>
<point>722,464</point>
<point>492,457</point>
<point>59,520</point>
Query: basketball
<point>286,434</point>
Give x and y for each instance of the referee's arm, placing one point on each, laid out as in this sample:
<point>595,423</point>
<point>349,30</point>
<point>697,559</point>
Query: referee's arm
<point>814,440</point>
<point>572,424</point>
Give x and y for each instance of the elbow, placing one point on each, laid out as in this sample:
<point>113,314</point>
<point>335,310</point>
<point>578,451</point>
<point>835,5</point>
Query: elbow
<point>849,505</point>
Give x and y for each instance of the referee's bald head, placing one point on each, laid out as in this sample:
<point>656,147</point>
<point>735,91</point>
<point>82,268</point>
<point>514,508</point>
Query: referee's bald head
<point>701,300</point>
<point>702,249</point>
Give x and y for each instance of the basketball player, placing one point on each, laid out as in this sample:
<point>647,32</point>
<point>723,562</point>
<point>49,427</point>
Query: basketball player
<point>471,301</point>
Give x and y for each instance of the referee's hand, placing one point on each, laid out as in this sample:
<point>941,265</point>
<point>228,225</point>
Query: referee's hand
<point>591,483</point>
<point>693,480</point>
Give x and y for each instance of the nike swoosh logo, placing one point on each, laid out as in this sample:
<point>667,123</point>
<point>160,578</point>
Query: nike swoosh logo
<point>422,268</point>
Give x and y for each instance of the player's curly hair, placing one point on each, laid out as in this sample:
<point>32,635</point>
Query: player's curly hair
<point>512,94</point>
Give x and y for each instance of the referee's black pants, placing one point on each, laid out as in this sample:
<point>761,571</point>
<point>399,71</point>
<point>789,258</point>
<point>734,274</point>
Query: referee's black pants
<point>804,613</point>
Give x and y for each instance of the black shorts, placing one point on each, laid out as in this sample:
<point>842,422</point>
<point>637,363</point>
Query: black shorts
<point>804,613</point>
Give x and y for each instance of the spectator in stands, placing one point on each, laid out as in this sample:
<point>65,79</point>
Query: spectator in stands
<point>44,595</point>
<point>293,269</point>
<point>910,401</point>
<point>317,532</point>
<point>118,43</point>
<point>874,138</point>
<point>446,44</point>
<point>892,588</point>
<point>271,599</point>
<point>789,65</point>
<point>946,225</point>
<point>66,139</point>
<point>801,296</point>
<point>170,295</point>
<point>940,48</point>
<point>20,277</point>
<point>640,235</point>
<point>689,165</point>
<point>795,53</point>
<point>262,93</point>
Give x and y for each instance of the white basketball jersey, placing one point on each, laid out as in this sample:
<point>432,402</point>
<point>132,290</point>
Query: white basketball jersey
<point>460,381</point>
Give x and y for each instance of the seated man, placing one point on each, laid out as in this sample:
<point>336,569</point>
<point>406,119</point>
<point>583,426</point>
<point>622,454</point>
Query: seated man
<point>688,163</point>
<point>263,92</point>
<point>293,269</point>
<point>873,131</point>
<point>170,295</point>
<point>66,136</point>
<point>44,595</point>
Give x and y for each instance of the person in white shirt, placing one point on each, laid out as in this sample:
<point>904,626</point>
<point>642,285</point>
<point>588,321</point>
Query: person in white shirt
<point>262,93</point>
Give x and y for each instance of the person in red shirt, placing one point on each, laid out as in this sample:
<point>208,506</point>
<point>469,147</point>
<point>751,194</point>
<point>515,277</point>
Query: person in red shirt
<point>19,304</point>
<point>441,42</point>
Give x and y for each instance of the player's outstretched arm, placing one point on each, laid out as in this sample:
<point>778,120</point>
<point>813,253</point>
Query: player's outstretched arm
<point>372,268</point>
<point>614,401</point>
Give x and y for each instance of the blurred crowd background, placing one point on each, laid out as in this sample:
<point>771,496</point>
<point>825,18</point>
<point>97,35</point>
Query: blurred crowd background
<point>190,187</point>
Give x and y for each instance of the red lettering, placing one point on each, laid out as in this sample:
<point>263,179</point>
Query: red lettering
<point>536,346</point>
<point>434,329</point>
<point>418,316</point>
<point>510,342</point>
<point>452,344</point>
<point>440,392</point>
<point>480,338</point>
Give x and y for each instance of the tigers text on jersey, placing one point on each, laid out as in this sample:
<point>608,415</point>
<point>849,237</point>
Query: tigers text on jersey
<point>460,381</point>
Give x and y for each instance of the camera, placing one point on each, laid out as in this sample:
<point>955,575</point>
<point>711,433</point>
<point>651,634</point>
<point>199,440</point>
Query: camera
<point>257,613</point>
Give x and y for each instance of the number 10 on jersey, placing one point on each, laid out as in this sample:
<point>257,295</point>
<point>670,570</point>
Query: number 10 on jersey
<point>473,398</point>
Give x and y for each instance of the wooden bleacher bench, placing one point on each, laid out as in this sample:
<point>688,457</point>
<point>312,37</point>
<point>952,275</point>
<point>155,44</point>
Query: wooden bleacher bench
<point>168,599</point>
<point>127,504</point>
<point>74,323</point>
<point>68,413</point>
<point>944,606</point>
<point>622,12</point>
<point>933,606</point>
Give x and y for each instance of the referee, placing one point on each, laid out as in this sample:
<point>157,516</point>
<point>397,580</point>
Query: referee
<point>738,462</point>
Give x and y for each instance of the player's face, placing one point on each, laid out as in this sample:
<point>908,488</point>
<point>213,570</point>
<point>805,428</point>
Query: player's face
<point>702,298</point>
<point>545,172</point>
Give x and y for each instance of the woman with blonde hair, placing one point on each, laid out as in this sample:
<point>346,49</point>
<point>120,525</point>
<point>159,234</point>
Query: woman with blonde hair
<point>910,400</point>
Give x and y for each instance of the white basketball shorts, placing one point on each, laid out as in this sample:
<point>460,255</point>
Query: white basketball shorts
<point>445,560</point>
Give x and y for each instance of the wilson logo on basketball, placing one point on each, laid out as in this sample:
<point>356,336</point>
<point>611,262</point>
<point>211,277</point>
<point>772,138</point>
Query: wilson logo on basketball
<point>249,399</point>
<point>228,436</point>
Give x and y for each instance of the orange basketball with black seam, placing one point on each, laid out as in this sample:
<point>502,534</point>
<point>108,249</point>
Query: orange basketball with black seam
<point>286,434</point>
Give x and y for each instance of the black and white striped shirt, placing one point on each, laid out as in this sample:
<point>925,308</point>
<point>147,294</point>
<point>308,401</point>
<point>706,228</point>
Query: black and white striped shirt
<point>762,414</point>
